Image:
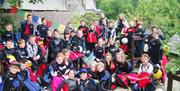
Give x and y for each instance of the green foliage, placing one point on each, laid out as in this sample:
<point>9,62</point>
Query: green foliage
<point>162,13</point>
<point>13,2</point>
<point>174,64</point>
<point>7,19</point>
<point>87,17</point>
<point>113,7</point>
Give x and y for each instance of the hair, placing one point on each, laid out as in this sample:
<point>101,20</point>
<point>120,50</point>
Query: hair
<point>8,24</point>
<point>9,40</point>
<point>21,41</point>
<point>55,30</point>
<point>100,64</point>
<point>65,51</point>
<point>60,54</point>
<point>23,61</point>
<point>111,21</point>
<point>122,54</point>
<point>145,55</point>
<point>29,15</point>
<point>42,19</point>
<point>32,36</point>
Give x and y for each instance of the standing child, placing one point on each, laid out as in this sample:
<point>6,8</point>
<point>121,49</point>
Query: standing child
<point>92,37</point>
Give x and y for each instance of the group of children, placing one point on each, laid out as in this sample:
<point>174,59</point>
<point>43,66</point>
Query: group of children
<point>42,60</point>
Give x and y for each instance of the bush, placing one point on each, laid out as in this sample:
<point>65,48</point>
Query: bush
<point>7,19</point>
<point>87,17</point>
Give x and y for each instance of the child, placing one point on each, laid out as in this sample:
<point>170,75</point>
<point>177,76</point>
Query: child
<point>83,28</point>
<point>145,66</point>
<point>54,46</point>
<point>66,42</point>
<point>103,77</point>
<point>22,52</point>
<point>79,42</point>
<point>42,29</point>
<point>92,71</point>
<point>8,34</point>
<point>99,50</point>
<point>121,63</point>
<point>110,66</point>
<point>24,75</point>
<point>154,50</point>
<point>112,48</point>
<point>34,52</point>
<point>85,83</point>
<point>58,71</point>
<point>91,38</point>
<point>111,32</point>
<point>9,50</point>
<point>10,79</point>
<point>71,81</point>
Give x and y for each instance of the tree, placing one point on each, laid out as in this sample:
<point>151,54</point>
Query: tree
<point>162,13</point>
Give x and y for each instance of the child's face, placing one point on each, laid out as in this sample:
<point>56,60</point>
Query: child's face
<point>59,60</point>
<point>9,28</point>
<point>71,74</point>
<point>9,44</point>
<point>100,43</point>
<point>108,58</point>
<point>93,68</point>
<point>67,35</point>
<point>100,68</point>
<point>44,22</point>
<point>49,33</point>
<point>22,45</point>
<point>79,34</point>
<point>83,76</point>
<point>66,55</point>
<point>56,34</point>
<point>155,35</point>
<point>72,34</point>
<point>144,58</point>
<point>23,66</point>
<point>118,58</point>
<point>32,40</point>
<point>92,27</point>
<point>82,23</point>
<point>14,69</point>
<point>111,41</point>
<point>110,24</point>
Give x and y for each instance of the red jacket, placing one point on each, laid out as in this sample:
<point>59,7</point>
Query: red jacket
<point>92,37</point>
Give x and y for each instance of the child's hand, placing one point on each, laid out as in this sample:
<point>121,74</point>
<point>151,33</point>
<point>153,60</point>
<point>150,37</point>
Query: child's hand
<point>54,74</point>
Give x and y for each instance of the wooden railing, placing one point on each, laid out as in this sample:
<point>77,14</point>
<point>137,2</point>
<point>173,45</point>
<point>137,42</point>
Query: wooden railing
<point>172,77</point>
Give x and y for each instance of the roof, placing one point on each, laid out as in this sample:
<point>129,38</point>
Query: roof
<point>46,5</point>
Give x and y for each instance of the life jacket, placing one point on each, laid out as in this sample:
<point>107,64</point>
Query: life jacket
<point>91,37</point>
<point>122,80</point>
<point>144,79</point>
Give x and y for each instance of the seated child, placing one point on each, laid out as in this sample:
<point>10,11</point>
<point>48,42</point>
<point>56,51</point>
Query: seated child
<point>99,50</point>
<point>58,70</point>
<point>24,75</point>
<point>71,81</point>
<point>145,66</point>
<point>103,77</point>
<point>10,79</point>
<point>109,63</point>
<point>92,71</point>
<point>85,83</point>
<point>121,63</point>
